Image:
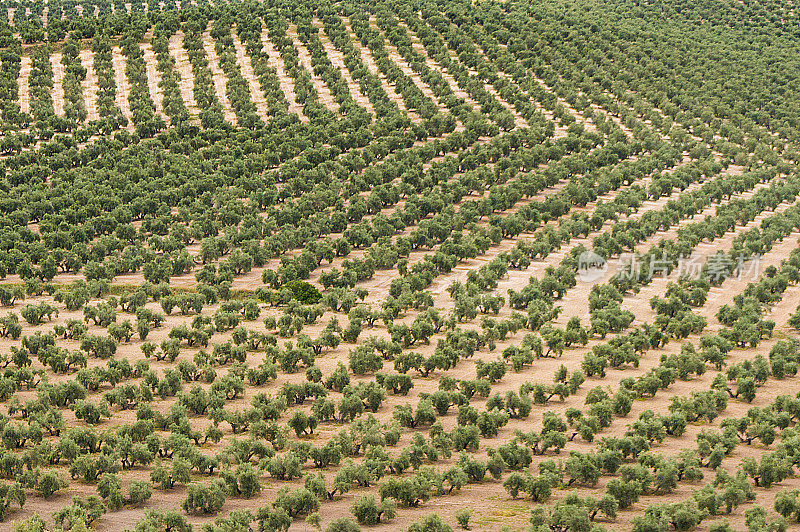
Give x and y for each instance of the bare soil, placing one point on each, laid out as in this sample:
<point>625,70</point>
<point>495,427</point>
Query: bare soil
<point>219,78</point>
<point>256,94</point>
<point>304,56</point>
<point>153,77</point>
<point>369,62</point>
<point>89,85</point>
<point>58,87</point>
<point>24,87</point>
<point>121,81</point>
<point>286,82</point>
<point>184,69</point>
<point>337,59</point>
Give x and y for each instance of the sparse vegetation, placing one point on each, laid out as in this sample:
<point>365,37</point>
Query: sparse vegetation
<point>326,263</point>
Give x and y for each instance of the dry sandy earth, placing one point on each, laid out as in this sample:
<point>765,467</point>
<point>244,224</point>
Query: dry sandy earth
<point>395,56</point>
<point>304,57</point>
<point>24,87</point>
<point>492,507</point>
<point>519,120</point>
<point>58,87</point>
<point>337,59</point>
<point>576,302</point>
<point>184,69</point>
<point>286,82</point>
<point>369,62</point>
<point>578,116</point>
<point>560,130</point>
<point>219,78</point>
<point>615,119</point>
<point>256,94</point>
<point>89,84</point>
<point>418,47</point>
<point>121,81</point>
<point>491,504</point>
<point>153,77</point>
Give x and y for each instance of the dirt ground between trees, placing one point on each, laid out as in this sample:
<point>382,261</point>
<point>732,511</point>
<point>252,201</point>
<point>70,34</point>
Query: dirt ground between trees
<point>492,507</point>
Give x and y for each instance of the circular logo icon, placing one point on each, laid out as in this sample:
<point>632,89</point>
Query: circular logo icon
<point>591,266</point>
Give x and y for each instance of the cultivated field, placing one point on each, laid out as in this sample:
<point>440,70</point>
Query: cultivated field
<point>399,265</point>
